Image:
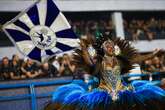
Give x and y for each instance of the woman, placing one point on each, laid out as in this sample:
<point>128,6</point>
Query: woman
<point>5,69</point>
<point>66,67</point>
<point>114,57</point>
<point>16,68</point>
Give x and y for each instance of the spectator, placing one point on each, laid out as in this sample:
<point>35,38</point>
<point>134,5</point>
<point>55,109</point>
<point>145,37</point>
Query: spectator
<point>48,70</point>
<point>162,84</point>
<point>16,68</point>
<point>30,69</point>
<point>54,61</point>
<point>93,27</point>
<point>157,64</point>
<point>5,69</point>
<point>66,66</point>
<point>144,29</point>
<point>162,61</point>
<point>56,64</point>
<point>148,66</point>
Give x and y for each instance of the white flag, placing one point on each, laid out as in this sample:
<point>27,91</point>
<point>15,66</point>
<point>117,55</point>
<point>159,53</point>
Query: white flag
<point>41,31</point>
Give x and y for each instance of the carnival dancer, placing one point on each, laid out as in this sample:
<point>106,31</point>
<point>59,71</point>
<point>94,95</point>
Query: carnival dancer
<point>109,59</point>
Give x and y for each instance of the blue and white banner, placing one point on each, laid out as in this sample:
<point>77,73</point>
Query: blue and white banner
<point>41,31</point>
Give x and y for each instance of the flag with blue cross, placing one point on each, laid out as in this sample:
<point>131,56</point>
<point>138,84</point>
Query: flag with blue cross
<point>41,31</point>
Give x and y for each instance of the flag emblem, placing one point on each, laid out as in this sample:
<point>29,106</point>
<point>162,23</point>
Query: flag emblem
<point>43,37</point>
<point>41,31</point>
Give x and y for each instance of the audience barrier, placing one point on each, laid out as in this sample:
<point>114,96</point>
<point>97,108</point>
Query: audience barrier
<point>34,94</point>
<point>28,94</point>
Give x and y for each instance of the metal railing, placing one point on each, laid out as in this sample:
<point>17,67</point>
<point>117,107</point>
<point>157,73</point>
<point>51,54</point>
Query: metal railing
<point>32,85</point>
<point>32,94</point>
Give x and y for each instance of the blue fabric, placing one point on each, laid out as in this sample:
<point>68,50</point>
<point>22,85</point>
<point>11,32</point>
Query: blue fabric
<point>16,33</point>
<point>63,47</point>
<point>77,95</point>
<point>35,54</point>
<point>52,12</point>
<point>22,25</point>
<point>67,33</point>
<point>34,15</point>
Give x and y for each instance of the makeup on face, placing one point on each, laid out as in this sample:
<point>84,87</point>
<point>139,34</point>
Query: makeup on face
<point>109,47</point>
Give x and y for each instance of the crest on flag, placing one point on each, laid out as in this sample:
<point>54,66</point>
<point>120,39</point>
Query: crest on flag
<point>41,31</point>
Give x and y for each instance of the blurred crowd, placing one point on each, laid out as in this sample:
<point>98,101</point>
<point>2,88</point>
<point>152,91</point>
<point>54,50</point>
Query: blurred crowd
<point>155,68</point>
<point>17,68</point>
<point>135,29</point>
<point>140,29</point>
<point>93,27</point>
<point>155,64</point>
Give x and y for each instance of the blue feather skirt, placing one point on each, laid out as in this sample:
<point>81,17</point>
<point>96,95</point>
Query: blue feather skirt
<point>76,96</point>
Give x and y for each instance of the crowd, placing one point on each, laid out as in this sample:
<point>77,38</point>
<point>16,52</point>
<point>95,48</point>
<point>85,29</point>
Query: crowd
<point>93,27</point>
<point>17,68</point>
<point>155,64</point>
<point>21,69</point>
<point>155,68</point>
<point>141,29</point>
<point>135,29</point>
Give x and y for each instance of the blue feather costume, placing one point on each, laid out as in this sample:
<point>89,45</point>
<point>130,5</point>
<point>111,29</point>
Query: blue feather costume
<point>110,94</point>
<point>143,96</point>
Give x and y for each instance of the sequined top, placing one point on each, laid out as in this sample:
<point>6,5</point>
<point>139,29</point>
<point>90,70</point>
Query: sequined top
<point>110,78</point>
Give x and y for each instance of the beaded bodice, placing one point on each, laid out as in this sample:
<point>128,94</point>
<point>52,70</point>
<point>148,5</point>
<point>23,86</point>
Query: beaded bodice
<point>110,78</point>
